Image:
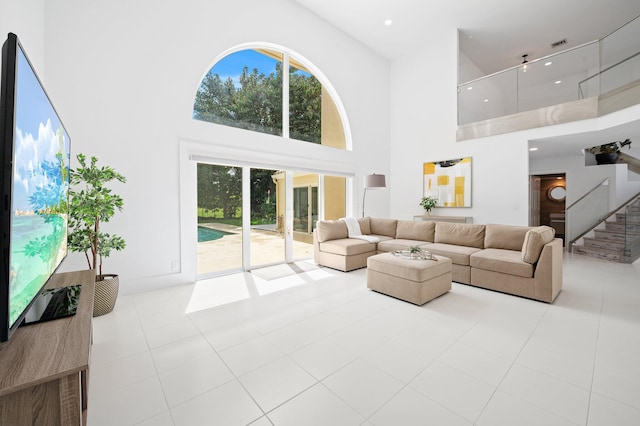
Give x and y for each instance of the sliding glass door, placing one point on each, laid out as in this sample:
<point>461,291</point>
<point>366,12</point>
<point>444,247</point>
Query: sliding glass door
<point>283,209</point>
<point>219,218</point>
<point>266,235</point>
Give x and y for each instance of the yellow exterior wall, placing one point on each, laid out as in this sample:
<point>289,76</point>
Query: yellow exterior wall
<point>334,197</point>
<point>331,131</point>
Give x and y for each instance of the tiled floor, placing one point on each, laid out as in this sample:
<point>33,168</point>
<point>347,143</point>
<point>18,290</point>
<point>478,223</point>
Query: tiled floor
<point>318,348</point>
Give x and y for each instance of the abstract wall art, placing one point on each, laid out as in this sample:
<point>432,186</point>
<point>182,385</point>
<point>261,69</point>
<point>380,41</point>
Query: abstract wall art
<point>448,181</point>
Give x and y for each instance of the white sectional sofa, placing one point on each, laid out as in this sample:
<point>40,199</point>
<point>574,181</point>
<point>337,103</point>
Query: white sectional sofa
<point>520,260</point>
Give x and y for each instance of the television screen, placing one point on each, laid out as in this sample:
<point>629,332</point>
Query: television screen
<point>35,185</point>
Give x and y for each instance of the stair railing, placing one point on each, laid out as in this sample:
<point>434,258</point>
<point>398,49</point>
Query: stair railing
<point>585,214</point>
<point>632,231</point>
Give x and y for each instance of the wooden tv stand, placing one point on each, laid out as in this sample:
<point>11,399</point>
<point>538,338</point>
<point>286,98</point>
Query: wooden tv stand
<point>44,367</point>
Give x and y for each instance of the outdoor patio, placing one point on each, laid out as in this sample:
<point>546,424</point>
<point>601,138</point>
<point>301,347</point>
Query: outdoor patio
<point>267,247</point>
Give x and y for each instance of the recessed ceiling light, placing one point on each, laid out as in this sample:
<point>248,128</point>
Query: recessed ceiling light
<point>486,100</point>
<point>388,22</point>
<point>547,63</point>
<point>533,149</point>
<point>470,87</point>
<point>559,81</point>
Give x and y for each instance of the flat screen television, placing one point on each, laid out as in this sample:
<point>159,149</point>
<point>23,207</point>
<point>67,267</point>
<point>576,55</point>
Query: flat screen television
<point>34,155</point>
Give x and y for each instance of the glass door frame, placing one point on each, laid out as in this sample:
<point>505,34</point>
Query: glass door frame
<point>188,185</point>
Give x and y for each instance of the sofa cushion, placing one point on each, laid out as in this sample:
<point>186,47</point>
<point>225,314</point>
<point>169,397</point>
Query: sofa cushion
<point>331,230</point>
<point>503,261</point>
<point>397,244</point>
<point>534,240</point>
<point>365,225</point>
<point>347,246</point>
<point>462,234</point>
<point>385,227</point>
<point>459,255</point>
<point>414,230</point>
<point>506,237</point>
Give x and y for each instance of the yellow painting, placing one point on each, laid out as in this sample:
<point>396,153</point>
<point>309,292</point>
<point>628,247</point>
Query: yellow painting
<point>449,182</point>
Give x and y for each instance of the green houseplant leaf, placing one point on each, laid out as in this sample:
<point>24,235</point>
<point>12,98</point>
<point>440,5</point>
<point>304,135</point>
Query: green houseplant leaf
<point>428,203</point>
<point>91,204</point>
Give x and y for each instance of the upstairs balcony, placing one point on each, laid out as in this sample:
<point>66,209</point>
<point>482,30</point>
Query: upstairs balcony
<point>584,82</point>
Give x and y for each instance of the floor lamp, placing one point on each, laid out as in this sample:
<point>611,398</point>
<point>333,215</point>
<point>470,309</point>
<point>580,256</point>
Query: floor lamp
<point>373,181</point>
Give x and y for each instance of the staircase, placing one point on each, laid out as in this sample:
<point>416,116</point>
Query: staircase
<point>609,243</point>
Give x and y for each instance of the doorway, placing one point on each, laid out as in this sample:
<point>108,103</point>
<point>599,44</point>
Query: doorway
<point>251,217</point>
<point>547,203</point>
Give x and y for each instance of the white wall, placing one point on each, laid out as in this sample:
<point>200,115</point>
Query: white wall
<point>124,74</point>
<point>25,19</point>
<point>423,128</point>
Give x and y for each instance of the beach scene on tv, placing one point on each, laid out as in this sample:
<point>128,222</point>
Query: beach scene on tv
<point>40,192</point>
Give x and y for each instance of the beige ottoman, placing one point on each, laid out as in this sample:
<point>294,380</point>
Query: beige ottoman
<point>415,281</point>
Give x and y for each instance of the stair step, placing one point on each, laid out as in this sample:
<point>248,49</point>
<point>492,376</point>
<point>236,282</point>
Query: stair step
<point>620,227</point>
<point>630,218</point>
<point>601,234</point>
<point>611,255</point>
<point>597,243</point>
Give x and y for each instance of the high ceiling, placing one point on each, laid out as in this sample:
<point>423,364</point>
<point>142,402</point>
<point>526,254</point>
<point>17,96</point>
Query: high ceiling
<point>494,33</point>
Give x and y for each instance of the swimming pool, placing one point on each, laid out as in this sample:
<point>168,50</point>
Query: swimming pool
<point>208,234</point>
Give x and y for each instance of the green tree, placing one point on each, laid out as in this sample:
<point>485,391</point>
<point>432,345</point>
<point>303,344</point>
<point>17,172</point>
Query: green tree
<point>263,193</point>
<point>220,187</point>
<point>305,106</point>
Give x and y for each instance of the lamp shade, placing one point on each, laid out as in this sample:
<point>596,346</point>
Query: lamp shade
<point>375,181</point>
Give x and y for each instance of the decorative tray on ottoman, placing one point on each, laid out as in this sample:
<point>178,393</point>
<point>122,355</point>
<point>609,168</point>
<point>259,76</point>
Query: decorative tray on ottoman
<point>414,253</point>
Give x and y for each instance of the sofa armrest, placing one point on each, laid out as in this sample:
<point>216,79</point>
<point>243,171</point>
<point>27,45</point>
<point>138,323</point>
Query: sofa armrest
<point>548,272</point>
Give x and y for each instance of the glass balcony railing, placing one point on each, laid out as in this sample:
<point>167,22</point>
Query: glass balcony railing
<point>578,73</point>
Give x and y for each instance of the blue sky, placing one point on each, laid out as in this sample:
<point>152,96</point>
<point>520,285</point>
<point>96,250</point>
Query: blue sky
<point>232,65</point>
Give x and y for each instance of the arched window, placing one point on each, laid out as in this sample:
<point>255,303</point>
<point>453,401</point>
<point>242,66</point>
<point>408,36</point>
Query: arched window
<point>248,89</point>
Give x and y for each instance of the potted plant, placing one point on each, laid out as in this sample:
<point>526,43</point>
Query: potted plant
<point>428,203</point>
<point>91,204</point>
<point>608,153</point>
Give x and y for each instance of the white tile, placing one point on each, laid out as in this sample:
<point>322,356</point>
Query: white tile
<point>620,385</point>
<point>193,379</point>
<point>477,363</point>
<point>293,337</point>
<point>113,375</point>
<point>128,405</point>
<point>178,354</point>
<point>400,361</point>
<point>317,406</point>
<point>262,421</point>
<point>431,344</point>
<point>171,333</point>
<point>106,350</point>
<point>410,408</point>
<point>323,358</point>
<point>606,412</point>
<point>455,390</point>
<point>163,419</point>
<point>227,337</point>
<point>248,356</point>
<point>561,398</point>
<point>507,410</point>
<point>555,352</point>
<point>152,321</point>
<point>576,369</point>
<point>358,338</point>
<point>276,382</point>
<point>227,405</point>
<point>498,338</point>
<point>363,386</point>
